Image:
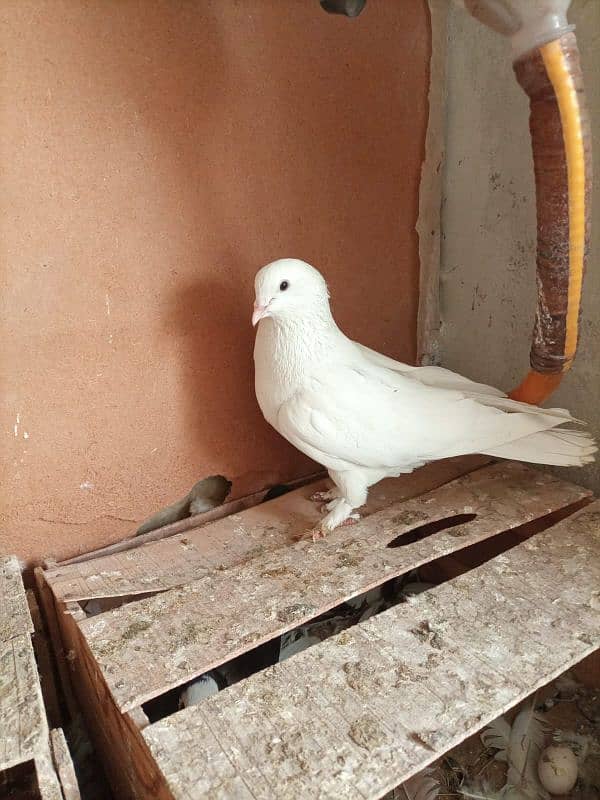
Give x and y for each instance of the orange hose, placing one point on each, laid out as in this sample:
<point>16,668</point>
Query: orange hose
<point>558,71</point>
<point>538,386</point>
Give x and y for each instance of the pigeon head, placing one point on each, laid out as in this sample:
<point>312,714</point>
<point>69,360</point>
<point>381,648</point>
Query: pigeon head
<point>288,288</point>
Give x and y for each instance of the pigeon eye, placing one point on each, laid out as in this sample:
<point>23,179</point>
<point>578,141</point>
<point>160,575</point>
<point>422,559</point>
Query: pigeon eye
<point>283,286</point>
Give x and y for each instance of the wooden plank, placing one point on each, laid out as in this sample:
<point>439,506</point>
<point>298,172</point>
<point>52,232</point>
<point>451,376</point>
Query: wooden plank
<point>15,619</point>
<point>129,767</point>
<point>49,610</point>
<point>180,559</point>
<point>23,723</point>
<point>48,781</point>
<point>23,727</point>
<point>365,710</point>
<point>195,521</point>
<point>147,647</point>
<point>64,765</point>
<point>45,662</point>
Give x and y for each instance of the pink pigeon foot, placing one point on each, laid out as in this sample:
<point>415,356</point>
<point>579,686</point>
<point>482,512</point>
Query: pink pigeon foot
<point>325,497</point>
<point>321,531</point>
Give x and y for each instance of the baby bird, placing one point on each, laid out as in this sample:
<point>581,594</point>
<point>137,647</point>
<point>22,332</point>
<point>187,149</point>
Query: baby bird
<point>366,417</point>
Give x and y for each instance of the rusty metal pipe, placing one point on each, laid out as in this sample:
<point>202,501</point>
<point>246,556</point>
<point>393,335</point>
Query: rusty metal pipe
<point>561,142</point>
<point>547,66</point>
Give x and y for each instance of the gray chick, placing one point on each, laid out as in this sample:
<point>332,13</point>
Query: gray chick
<point>203,496</point>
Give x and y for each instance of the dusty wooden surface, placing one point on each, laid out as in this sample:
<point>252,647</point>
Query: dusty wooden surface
<point>22,719</point>
<point>15,619</point>
<point>182,558</point>
<point>45,663</point>
<point>195,521</point>
<point>50,610</point>
<point>130,768</point>
<point>64,765</point>
<point>365,710</point>
<point>23,725</point>
<point>149,646</point>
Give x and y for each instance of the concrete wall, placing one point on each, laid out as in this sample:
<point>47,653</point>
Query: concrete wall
<point>488,220</point>
<point>154,156</point>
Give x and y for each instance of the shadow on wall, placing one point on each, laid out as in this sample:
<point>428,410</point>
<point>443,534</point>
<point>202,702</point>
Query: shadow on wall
<point>244,192</point>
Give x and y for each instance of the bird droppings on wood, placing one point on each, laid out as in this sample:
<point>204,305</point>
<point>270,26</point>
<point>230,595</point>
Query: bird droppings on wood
<point>358,675</point>
<point>347,560</point>
<point>134,630</point>
<point>424,633</point>
<point>404,675</point>
<point>296,611</point>
<point>367,733</point>
<point>410,518</point>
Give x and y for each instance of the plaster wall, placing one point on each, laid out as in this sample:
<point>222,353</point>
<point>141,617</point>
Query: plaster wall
<point>154,156</point>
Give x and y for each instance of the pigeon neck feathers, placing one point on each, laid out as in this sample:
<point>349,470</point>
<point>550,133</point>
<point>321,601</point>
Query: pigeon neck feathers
<point>289,349</point>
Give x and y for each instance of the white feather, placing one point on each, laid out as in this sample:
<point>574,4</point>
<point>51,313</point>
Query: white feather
<point>202,687</point>
<point>421,786</point>
<point>497,736</point>
<point>525,746</point>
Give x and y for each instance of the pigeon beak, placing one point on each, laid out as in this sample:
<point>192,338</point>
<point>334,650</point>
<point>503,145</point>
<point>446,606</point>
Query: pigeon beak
<point>260,312</point>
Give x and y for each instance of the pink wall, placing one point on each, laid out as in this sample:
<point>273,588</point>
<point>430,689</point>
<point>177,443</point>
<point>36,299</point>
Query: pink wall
<point>154,156</point>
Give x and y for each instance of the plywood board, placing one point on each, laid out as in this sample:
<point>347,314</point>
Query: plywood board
<point>49,609</point>
<point>365,710</point>
<point>45,662</point>
<point>64,765</point>
<point>182,558</point>
<point>48,781</point>
<point>23,725</point>
<point>132,772</point>
<point>15,619</point>
<point>149,646</point>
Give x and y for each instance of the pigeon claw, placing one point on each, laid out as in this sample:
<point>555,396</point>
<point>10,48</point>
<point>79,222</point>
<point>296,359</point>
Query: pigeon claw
<point>318,533</point>
<point>314,534</point>
<point>323,497</point>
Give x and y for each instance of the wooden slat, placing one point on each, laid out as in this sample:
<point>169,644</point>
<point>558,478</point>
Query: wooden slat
<point>195,521</point>
<point>15,619</point>
<point>64,765</point>
<point>152,645</point>
<point>48,606</point>
<point>185,557</point>
<point>23,728</point>
<point>365,710</point>
<point>48,781</point>
<point>117,739</point>
<point>23,724</point>
<point>45,662</point>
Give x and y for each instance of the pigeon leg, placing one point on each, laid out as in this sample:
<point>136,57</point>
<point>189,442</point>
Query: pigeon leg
<point>340,516</point>
<point>352,494</point>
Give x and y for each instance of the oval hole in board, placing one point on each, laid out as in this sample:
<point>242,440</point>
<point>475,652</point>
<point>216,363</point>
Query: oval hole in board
<point>429,528</point>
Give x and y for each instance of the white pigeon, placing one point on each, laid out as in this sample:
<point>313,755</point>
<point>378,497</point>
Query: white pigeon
<point>366,417</point>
